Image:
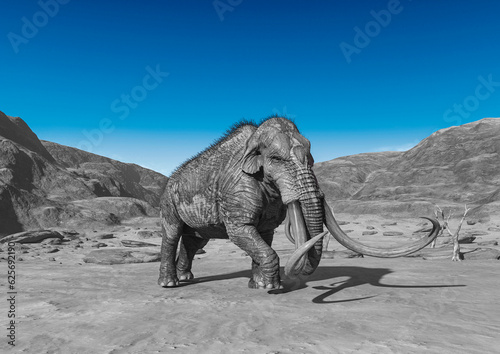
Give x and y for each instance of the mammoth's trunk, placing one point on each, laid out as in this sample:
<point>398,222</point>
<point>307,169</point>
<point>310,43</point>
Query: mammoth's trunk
<point>312,208</point>
<point>306,220</point>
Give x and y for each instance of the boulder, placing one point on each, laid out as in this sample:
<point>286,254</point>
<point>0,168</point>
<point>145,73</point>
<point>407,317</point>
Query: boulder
<point>32,236</point>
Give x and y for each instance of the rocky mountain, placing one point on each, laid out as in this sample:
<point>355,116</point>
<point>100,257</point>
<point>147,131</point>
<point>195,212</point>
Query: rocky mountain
<point>109,177</point>
<point>44,184</point>
<point>452,167</point>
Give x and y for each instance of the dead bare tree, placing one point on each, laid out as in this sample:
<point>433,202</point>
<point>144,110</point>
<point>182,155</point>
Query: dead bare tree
<point>445,226</point>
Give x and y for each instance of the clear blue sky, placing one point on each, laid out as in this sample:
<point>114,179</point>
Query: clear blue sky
<point>353,78</point>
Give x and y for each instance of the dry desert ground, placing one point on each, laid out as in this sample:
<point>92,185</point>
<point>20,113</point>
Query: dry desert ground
<point>425,303</point>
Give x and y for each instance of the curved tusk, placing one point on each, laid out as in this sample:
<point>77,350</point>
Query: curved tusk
<point>298,229</point>
<point>291,269</point>
<point>288,225</point>
<point>356,246</point>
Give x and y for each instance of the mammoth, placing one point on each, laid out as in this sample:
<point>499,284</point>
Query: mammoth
<point>242,187</point>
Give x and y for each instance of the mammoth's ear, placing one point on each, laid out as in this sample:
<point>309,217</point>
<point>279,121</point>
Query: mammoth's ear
<point>252,158</point>
<point>310,160</point>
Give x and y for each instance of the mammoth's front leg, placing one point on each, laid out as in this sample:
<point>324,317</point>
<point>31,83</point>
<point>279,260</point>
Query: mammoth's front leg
<point>265,261</point>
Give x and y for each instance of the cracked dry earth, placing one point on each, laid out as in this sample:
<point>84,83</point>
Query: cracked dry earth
<point>415,304</point>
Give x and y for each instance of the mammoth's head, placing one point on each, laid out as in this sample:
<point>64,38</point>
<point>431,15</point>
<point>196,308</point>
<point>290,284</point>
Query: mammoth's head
<point>282,154</point>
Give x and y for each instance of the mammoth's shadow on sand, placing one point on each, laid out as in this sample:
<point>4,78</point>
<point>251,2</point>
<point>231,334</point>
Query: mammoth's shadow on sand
<point>356,276</point>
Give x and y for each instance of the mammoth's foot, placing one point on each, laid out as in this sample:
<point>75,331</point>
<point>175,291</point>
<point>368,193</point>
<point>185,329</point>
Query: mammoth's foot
<point>262,285</point>
<point>168,282</point>
<point>259,281</point>
<point>185,275</point>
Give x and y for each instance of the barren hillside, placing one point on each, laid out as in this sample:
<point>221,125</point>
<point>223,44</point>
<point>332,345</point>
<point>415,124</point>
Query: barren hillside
<point>451,167</point>
<point>44,184</point>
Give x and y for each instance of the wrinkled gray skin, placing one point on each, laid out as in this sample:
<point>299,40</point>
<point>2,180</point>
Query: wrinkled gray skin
<point>239,189</point>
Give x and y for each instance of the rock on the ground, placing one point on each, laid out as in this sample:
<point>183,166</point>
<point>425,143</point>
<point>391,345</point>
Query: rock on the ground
<point>467,239</point>
<point>369,233</point>
<point>392,233</point>
<point>132,243</point>
<point>390,224</point>
<point>31,236</point>
<point>104,236</point>
<point>121,256</point>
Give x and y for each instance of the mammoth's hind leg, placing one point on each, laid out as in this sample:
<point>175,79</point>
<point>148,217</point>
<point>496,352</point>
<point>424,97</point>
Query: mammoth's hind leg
<point>172,231</point>
<point>191,242</point>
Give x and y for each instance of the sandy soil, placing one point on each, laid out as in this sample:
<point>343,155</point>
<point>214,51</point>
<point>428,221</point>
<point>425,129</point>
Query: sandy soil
<point>350,305</point>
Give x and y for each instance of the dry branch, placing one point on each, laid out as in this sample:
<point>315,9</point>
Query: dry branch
<point>445,226</point>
